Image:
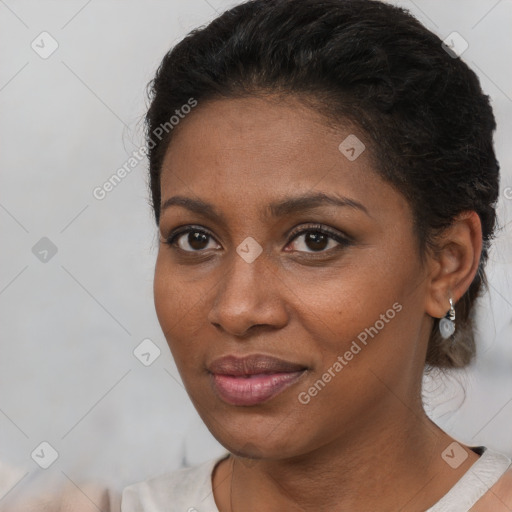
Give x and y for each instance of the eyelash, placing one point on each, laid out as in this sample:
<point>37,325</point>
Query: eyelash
<point>317,228</point>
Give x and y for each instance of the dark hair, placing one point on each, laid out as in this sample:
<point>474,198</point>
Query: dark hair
<point>428,125</point>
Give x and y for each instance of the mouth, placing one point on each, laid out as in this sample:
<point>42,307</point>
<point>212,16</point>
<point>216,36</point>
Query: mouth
<point>252,380</point>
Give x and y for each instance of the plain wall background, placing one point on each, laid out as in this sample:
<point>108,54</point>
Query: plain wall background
<point>69,326</point>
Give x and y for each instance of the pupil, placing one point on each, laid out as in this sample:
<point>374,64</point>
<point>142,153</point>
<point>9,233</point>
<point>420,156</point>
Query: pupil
<point>194,238</point>
<point>315,238</point>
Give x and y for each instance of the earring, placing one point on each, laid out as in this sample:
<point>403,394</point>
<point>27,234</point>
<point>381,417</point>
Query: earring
<point>447,324</point>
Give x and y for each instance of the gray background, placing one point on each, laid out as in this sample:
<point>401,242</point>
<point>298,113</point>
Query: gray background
<point>69,325</point>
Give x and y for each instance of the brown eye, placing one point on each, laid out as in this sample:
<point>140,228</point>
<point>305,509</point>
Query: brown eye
<point>316,241</point>
<point>319,239</point>
<point>196,239</point>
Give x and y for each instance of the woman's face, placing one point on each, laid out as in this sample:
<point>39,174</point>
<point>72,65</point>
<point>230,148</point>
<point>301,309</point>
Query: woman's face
<point>346,308</point>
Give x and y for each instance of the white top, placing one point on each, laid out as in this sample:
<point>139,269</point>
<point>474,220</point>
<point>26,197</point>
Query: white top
<point>190,489</point>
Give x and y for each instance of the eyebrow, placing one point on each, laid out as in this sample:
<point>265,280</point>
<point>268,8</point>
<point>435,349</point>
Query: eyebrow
<point>276,209</point>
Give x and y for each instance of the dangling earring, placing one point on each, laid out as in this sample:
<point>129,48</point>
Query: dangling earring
<point>447,324</point>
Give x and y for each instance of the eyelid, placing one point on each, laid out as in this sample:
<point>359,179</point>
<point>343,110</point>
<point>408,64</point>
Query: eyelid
<point>176,233</point>
<point>338,236</point>
<point>342,239</point>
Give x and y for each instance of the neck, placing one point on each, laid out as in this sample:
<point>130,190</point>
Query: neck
<point>387,466</point>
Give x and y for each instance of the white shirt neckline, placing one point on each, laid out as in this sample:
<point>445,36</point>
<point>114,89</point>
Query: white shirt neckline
<point>192,487</point>
<point>475,482</point>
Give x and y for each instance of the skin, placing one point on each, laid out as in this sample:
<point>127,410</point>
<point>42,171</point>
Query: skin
<point>364,441</point>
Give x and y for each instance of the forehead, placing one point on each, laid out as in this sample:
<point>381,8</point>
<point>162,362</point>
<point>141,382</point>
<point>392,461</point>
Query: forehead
<point>258,149</point>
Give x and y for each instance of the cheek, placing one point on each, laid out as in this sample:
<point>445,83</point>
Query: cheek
<point>177,291</point>
<point>165,295</point>
<point>343,303</point>
<point>178,306</point>
<point>362,315</point>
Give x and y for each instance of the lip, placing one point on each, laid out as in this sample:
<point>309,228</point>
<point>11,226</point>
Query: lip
<point>253,379</point>
<point>252,365</point>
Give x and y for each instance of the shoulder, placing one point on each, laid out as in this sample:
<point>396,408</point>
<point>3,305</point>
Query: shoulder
<point>499,496</point>
<point>82,498</point>
<point>90,498</point>
<point>186,489</point>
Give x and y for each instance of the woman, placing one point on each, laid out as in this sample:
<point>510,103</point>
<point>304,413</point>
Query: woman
<point>324,183</point>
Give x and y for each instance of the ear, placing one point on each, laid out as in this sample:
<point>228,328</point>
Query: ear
<point>453,265</point>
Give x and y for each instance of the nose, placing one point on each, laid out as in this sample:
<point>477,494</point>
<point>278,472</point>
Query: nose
<point>249,294</point>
